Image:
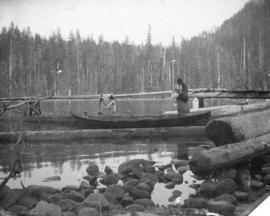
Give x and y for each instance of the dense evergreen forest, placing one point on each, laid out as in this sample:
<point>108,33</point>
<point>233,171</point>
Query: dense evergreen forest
<point>234,56</point>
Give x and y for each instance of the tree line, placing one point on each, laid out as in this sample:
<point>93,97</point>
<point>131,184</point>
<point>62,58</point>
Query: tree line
<point>234,56</point>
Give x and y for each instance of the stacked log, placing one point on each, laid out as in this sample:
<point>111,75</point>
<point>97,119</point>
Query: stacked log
<point>234,129</point>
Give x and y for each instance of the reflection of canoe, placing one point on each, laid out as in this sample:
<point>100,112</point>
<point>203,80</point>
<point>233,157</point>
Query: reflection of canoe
<point>195,118</point>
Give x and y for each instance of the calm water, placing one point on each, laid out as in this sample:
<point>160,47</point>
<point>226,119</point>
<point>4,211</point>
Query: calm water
<point>70,159</point>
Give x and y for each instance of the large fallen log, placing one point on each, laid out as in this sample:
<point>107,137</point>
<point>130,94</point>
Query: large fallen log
<point>165,132</point>
<point>206,161</point>
<point>236,128</point>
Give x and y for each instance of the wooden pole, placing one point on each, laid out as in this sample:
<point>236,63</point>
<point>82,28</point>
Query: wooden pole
<point>207,161</point>
<point>236,128</point>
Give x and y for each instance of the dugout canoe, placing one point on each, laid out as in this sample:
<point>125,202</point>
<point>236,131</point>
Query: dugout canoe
<point>105,122</point>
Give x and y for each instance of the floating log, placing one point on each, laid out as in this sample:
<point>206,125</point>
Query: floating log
<point>165,132</point>
<point>206,161</point>
<point>227,110</point>
<point>236,128</point>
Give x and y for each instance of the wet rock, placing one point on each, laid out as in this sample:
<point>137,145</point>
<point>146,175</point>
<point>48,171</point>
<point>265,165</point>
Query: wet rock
<point>164,167</point>
<point>38,189</point>
<point>178,163</point>
<point>92,169</point>
<point>227,197</point>
<point>110,179</point>
<point>244,177</point>
<point>221,207</point>
<point>97,201</point>
<point>132,165</point>
<point>255,184</point>
<point>208,189</point>
<point>88,212</point>
<point>73,195</point>
<point>114,193</point>
<point>266,170</point>
<point>84,185</point>
<point>229,173</point>
<point>226,186</point>
<point>26,200</point>
<point>68,204</point>
<point>182,169</point>
<point>137,174</point>
<point>93,181</point>
<point>172,175</point>
<point>9,197</point>
<point>195,203</point>
<point>54,197</point>
<point>52,178</point>
<point>258,177</point>
<point>150,177</point>
<point>130,183</point>
<point>18,209</point>
<point>48,209</point>
<point>241,196</point>
<point>194,212</point>
<point>194,186</point>
<point>69,213</point>
<point>150,169</point>
<point>170,185</point>
<point>135,207</point>
<point>176,193</point>
<point>146,185</point>
<point>108,170</point>
<point>147,203</point>
<point>137,193</point>
<point>101,175</point>
<point>127,200</point>
<point>70,188</point>
<point>266,179</point>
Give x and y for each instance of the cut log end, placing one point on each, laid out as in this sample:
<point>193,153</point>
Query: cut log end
<point>220,132</point>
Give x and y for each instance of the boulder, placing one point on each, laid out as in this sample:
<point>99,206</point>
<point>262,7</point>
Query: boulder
<point>150,177</point>
<point>92,169</point>
<point>54,197</point>
<point>228,173</point>
<point>68,204</point>
<point>227,197</point>
<point>150,169</point>
<point>9,197</point>
<point>48,209</point>
<point>87,211</point>
<point>195,203</point>
<point>138,193</point>
<point>18,209</point>
<point>39,189</point>
<point>226,186</point>
<point>170,185</point>
<point>69,213</point>
<point>132,165</point>
<point>208,189</point>
<point>127,200</point>
<point>266,170</point>
<point>182,169</point>
<point>255,184</point>
<point>243,179</point>
<point>135,207</point>
<point>147,203</point>
<point>146,185</point>
<point>73,195</point>
<point>114,193</point>
<point>194,212</point>
<point>266,179</point>
<point>84,185</point>
<point>130,183</point>
<point>97,201</point>
<point>26,200</point>
<point>241,196</point>
<point>108,170</point>
<point>258,177</point>
<point>110,179</point>
<point>172,175</point>
<point>221,207</point>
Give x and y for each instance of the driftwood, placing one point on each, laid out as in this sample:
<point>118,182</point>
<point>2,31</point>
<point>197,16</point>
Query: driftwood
<point>236,128</point>
<point>165,132</point>
<point>16,163</point>
<point>206,161</point>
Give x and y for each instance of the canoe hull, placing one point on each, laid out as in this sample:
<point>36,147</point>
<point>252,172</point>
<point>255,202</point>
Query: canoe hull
<point>92,122</point>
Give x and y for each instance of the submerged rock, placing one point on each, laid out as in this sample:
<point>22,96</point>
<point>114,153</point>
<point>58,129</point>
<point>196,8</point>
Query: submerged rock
<point>52,178</point>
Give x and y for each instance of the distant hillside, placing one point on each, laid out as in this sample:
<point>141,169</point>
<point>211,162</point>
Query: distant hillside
<point>236,55</point>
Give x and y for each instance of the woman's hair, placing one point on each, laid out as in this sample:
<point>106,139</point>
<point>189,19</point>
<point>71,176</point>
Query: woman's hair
<point>179,81</point>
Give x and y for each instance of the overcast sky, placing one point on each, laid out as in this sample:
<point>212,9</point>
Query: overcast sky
<point>116,19</point>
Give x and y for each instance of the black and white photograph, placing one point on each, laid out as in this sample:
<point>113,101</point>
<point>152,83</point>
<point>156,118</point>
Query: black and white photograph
<point>134,107</point>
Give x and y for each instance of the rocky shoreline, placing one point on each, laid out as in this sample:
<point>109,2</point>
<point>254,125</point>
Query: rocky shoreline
<point>228,192</point>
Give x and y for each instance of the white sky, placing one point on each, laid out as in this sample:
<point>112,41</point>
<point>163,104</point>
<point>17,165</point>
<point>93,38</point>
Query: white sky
<point>116,19</point>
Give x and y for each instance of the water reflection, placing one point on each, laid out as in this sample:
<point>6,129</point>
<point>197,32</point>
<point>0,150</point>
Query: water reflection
<point>69,160</point>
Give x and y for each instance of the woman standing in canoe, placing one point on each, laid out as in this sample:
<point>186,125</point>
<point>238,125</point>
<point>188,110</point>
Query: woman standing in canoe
<point>181,94</point>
